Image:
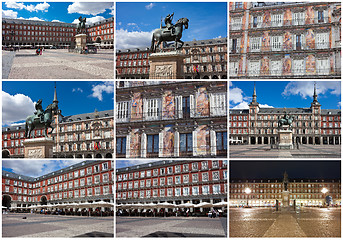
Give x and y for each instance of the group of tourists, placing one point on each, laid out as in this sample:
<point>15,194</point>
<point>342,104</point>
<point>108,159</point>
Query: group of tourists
<point>39,51</point>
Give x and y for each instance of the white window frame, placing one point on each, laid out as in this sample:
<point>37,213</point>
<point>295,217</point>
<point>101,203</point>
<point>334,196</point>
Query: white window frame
<point>276,20</point>
<point>255,44</point>
<point>276,43</point>
<point>298,67</point>
<point>322,66</point>
<point>298,18</point>
<point>254,68</point>
<point>322,40</point>
<point>275,67</point>
<point>123,111</point>
<point>151,109</point>
<point>236,23</point>
<point>218,104</point>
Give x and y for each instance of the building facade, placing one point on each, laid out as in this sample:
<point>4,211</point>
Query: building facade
<point>87,181</point>
<point>166,119</point>
<point>266,192</point>
<point>205,59</point>
<point>30,34</point>
<point>173,181</point>
<point>89,135</point>
<point>258,125</point>
<point>285,40</point>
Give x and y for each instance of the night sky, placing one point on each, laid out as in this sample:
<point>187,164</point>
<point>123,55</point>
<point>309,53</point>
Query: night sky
<point>275,169</point>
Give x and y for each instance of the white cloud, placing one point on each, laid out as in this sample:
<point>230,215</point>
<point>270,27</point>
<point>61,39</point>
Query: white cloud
<point>135,39</point>
<point>56,20</point>
<point>90,8</point>
<point>236,95</point>
<point>15,5</point>
<point>16,107</point>
<point>105,87</point>
<point>37,168</point>
<point>242,105</point>
<point>339,104</point>
<point>149,6</point>
<point>90,20</point>
<point>265,106</point>
<point>31,8</point>
<point>305,88</point>
<point>112,10</point>
<point>9,14</point>
<point>77,90</point>
<point>119,23</point>
<point>32,18</point>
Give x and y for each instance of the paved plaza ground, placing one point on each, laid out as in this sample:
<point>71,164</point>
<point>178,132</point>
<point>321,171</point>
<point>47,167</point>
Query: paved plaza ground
<point>36,225</point>
<point>171,227</point>
<point>304,151</point>
<point>57,64</point>
<point>308,222</point>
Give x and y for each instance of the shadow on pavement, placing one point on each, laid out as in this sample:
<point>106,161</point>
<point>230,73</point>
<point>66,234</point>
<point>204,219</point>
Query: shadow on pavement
<point>96,234</point>
<point>176,234</point>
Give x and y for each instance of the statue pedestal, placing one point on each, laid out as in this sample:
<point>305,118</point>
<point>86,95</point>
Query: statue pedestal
<point>285,139</point>
<point>285,201</point>
<point>165,65</point>
<point>38,148</point>
<point>81,40</point>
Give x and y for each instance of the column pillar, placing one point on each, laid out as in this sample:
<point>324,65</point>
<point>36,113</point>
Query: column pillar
<point>201,209</point>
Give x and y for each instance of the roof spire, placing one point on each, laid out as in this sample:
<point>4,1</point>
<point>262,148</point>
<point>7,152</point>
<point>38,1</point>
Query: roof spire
<point>254,94</point>
<point>315,93</point>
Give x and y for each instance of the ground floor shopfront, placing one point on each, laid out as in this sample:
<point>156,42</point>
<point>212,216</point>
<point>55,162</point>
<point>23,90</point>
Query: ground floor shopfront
<point>273,139</point>
<point>272,202</point>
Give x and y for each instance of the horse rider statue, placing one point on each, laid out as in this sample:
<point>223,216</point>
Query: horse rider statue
<point>168,22</point>
<point>81,27</point>
<point>285,120</point>
<point>39,111</point>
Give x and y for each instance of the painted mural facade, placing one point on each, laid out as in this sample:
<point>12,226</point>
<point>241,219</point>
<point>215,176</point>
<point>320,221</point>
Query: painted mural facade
<point>168,105</point>
<point>309,32</point>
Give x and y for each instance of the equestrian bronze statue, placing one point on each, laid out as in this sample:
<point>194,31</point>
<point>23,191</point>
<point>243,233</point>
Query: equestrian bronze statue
<point>169,32</point>
<point>81,27</point>
<point>286,120</point>
<point>41,119</point>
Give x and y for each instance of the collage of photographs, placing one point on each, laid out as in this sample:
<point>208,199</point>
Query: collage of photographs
<point>111,127</point>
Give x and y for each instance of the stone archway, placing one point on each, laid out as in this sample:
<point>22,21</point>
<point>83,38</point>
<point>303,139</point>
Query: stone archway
<point>98,155</point>
<point>6,201</point>
<point>317,140</point>
<point>108,155</point>
<point>304,140</point>
<point>78,156</point>
<point>6,153</point>
<point>88,156</point>
<point>215,77</point>
<point>259,140</point>
<point>252,140</point>
<point>265,140</point>
<point>43,200</point>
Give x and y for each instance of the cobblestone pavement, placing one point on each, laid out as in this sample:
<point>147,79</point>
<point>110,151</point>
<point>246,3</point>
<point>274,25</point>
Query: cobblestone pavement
<point>171,226</point>
<point>305,151</point>
<point>36,225</point>
<point>60,64</point>
<point>309,222</point>
<point>7,59</point>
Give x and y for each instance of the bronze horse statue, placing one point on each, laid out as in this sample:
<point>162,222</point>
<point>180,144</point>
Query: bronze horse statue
<point>164,34</point>
<point>34,121</point>
<point>286,120</point>
<point>81,27</point>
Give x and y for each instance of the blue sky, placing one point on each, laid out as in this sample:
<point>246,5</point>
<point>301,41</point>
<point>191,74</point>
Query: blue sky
<point>67,12</point>
<point>285,94</point>
<point>36,168</point>
<point>75,97</point>
<point>136,20</point>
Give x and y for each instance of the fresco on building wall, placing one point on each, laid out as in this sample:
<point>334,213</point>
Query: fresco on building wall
<point>310,40</point>
<point>202,103</point>
<point>242,43</point>
<point>136,107</point>
<point>329,20</point>
<point>240,67</point>
<point>310,64</point>
<point>287,41</point>
<point>287,17</point>
<point>243,20</point>
<point>287,65</point>
<point>309,15</point>
<point>330,38</point>
<point>135,142</point>
<point>168,105</point>
<point>203,140</point>
<point>266,19</point>
<point>168,142</point>
<point>265,41</point>
<point>265,66</point>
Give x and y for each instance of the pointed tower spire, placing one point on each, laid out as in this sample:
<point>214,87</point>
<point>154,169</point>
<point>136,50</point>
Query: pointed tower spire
<point>55,95</point>
<point>254,94</point>
<point>315,93</point>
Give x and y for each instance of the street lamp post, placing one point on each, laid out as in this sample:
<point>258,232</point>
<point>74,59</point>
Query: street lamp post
<point>324,191</point>
<point>247,191</point>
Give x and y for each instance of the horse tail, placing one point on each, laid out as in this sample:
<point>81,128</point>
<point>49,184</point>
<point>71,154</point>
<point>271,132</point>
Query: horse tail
<point>152,43</point>
<point>26,128</point>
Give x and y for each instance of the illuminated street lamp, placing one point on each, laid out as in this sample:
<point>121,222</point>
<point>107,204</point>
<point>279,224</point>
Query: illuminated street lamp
<point>247,191</point>
<point>324,191</point>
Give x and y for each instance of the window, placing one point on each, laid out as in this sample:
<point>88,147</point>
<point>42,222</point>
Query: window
<point>299,18</point>
<point>96,168</point>
<point>235,45</point>
<point>215,176</point>
<point>155,172</point>
<point>162,171</point>
<point>152,109</point>
<point>177,192</point>
<point>205,177</point>
<point>185,178</point>
<point>254,68</point>
<point>215,163</point>
<point>186,143</point>
<point>277,20</point>
<point>89,181</point>
<point>155,182</point>
<point>322,66</point>
<point>298,67</point>
<point>238,5</point>
<point>194,177</point>
<point>185,191</point>
<point>170,192</point>
<point>204,165</point>
<point>135,184</point>
<point>221,139</point>
<point>153,147</point>
<point>148,183</point>
<point>322,40</point>
<point>194,166</point>
<point>234,67</point>
<point>177,168</point>
<point>216,189</point>
<point>162,181</point>
<point>195,191</point>
<point>186,107</point>
<point>276,42</point>
<point>82,182</point>
<point>298,44</point>
<point>275,68</point>
<point>148,173</point>
<point>205,190</point>
<point>236,23</point>
<point>185,167</point>
<point>255,44</point>
<point>148,194</point>
<point>320,16</point>
<point>123,111</point>
<point>97,179</point>
<point>177,180</point>
<point>170,181</point>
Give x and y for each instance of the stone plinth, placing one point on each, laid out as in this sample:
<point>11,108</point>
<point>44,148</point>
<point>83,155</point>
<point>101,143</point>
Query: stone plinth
<point>81,40</point>
<point>285,198</point>
<point>285,139</point>
<point>165,65</point>
<point>38,148</point>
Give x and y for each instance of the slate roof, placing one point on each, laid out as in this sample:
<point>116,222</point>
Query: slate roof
<point>86,116</point>
<point>288,110</point>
